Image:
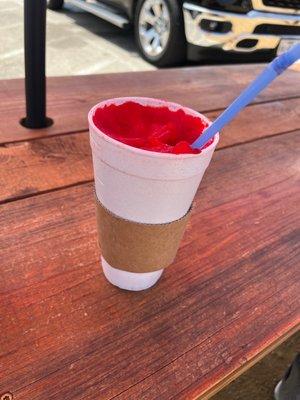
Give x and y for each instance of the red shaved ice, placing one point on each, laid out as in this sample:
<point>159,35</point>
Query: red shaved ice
<point>150,128</point>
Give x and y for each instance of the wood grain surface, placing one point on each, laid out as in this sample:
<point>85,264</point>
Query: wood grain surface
<point>233,292</point>
<point>70,98</point>
<point>40,165</point>
<point>70,334</point>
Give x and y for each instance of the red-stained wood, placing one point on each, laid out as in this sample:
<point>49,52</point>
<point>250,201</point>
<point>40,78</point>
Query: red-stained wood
<point>232,293</point>
<point>41,165</point>
<point>261,120</point>
<point>69,98</point>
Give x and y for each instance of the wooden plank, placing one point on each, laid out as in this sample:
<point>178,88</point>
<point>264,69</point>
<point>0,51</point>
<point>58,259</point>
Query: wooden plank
<point>44,164</point>
<point>239,371</point>
<point>232,292</point>
<point>261,120</point>
<point>29,168</point>
<point>70,98</point>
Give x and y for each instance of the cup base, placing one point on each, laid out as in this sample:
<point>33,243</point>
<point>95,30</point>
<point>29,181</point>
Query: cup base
<point>130,280</point>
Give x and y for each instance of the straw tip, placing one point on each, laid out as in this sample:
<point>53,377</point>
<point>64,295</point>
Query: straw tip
<point>286,59</point>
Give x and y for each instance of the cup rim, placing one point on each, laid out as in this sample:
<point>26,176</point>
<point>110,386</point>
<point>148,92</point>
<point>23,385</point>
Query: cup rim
<point>149,153</point>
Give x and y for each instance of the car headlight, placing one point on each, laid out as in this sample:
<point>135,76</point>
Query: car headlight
<point>239,6</point>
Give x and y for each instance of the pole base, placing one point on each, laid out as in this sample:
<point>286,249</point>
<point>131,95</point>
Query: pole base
<point>36,125</point>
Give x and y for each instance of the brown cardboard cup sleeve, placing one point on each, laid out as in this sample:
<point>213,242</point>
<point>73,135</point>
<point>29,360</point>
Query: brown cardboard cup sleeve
<point>138,247</point>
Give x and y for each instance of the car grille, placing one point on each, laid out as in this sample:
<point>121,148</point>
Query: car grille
<point>270,29</point>
<point>295,4</point>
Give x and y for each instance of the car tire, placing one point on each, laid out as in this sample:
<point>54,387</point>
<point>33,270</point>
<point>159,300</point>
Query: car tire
<point>55,4</point>
<point>175,50</point>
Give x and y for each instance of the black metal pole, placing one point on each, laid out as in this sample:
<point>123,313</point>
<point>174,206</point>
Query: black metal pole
<point>35,81</point>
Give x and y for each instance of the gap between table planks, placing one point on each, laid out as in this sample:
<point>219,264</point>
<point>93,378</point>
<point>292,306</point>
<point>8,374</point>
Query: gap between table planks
<point>40,165</point>
<point>70,98</point>
<point>126,351</point>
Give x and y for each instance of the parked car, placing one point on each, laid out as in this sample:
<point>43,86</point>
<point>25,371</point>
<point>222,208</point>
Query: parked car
<point>169,31</point>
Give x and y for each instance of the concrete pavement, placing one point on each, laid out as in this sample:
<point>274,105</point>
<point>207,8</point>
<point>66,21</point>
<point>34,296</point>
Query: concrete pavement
<point>77,43</point>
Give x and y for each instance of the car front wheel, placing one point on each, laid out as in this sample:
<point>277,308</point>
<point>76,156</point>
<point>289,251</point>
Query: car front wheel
<point>159,32</point>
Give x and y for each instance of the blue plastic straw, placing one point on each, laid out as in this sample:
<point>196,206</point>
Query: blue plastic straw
<point>275,68</point>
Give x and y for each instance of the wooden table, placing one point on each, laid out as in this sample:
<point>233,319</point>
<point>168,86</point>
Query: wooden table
<point>233,293</point>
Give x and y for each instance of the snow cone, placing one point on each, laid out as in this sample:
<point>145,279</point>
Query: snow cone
<point>146,176</point>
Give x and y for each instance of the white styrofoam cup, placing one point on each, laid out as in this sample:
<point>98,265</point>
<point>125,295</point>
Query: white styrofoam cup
<point>144,186</point>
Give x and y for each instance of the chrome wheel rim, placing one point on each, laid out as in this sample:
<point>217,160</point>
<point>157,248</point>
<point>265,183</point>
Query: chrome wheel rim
<point>154,27</point>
